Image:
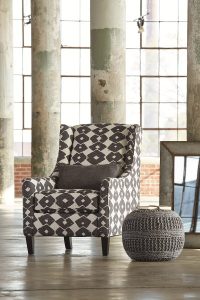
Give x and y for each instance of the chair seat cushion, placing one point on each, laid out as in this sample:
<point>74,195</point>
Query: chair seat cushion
<point>68,201</point>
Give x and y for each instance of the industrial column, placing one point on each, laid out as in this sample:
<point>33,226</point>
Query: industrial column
<point>6,103</point>
<point>46,44</point>
<point>108,61</point>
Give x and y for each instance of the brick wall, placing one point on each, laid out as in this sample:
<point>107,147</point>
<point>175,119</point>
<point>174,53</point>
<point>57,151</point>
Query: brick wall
<point>149,176</point>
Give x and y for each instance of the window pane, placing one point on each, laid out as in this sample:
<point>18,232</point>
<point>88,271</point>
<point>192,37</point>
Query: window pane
<point>27,61</point>
<point>132,113</point>
<point>168,115</point>
<point>150,115</point>
<point>70,10</point>
<point>150,89</point>
<point>182,135</point>
<point>182,115</point>
<point>27,89</point>
<point>17,9</point>
<point>26,142</point>
<point>18,142</point>
<point>150,143</point>
<point>152,6</point>
<point>17,115</point>
<point>182,63</point>
<point>132,89</point>
<point>169,10</point>
<point>84,34</point>
<point>70,34</point>
<point>27,7</point>
<point>183,4</point>
<point>168,62</point>
<point>168,34</point>
<point>85,10</point>
<point>182,34</point>
<point>132,35</point>
<point>17,33</point>
<point>17,61</point>
<point>168,135</point>
<point>70,113</point>
<point>85,113</point>
<point>149,62</point>
<point>132,9</point>
<point>85,89</point>
<point>70,61</point>
<point>182,89</point>
<point>168,89</point>
<point>70,89</point>
<point>27,115</point>
<point>17,88</point>
<point>150,35</point>
<point>27,35</point>
<point>132,62</point>
<point>85,62</point>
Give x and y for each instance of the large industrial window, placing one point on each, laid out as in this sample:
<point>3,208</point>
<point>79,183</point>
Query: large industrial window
<point>156,69</point>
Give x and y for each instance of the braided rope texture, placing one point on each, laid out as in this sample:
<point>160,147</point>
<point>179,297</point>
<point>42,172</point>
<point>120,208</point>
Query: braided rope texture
<point>153,235</point>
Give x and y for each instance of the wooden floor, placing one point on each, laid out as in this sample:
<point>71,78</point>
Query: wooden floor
<point>83,273</point>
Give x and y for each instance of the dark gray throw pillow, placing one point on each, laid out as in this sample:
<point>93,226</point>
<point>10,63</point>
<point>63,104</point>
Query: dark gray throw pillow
<point>86,177</point>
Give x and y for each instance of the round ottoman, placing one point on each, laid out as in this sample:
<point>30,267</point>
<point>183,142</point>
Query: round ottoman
<point>153,234</point>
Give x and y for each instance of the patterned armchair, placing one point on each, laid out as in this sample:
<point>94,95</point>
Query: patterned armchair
<point>48,211</point>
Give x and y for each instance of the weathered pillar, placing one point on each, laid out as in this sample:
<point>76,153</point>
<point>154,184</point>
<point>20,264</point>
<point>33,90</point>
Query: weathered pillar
<point>46,46</point>
<point>193,72</point>
<point>6,104</point>
<point>108,61</point>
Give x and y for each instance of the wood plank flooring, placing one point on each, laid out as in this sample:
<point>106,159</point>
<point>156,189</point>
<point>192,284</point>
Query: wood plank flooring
<point>83,273</point>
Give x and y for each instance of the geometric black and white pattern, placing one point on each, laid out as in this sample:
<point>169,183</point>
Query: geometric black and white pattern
<point>60,212</point>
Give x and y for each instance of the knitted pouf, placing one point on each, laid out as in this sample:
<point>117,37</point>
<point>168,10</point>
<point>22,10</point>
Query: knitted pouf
<point>153,234</point>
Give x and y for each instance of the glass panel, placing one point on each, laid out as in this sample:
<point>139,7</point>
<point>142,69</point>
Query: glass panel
<point>182,111</point>
<point>183,4</point>
<point>26,142</point>
<point>182,34</point>
<point>168,135</point>
<point>168,34</point>
<point>132,62</point>
<point>70,34</point>
<point>70,113</point>
<point>152,6</point>
<point>182,62</point>
<point>150,89</point>
<point>70,89</point>
<point>17,142</point>
<point>179,162</point>
<point>85,10</point>
<point>17,115</point>
<point>168,62</point>
<point>17,61</point>
<point>150,143</point>
<point>70,61</point>
<point>132,9</point>
<point>191,170</point>
<point>182,87</point>
<point>149,62</point>
<point>150,115</point>
<point>182,135</point>
<point>27,61</point>
<point>132,89</point>
<point>27,35</point>
<point>168,89</point>
<point>17,9</point>
<point>85,113</point>
<point>27,7</point>
<point>27,115</point>
<point>27,89</point>
<point>150,35</point>
<point>85,62</point>
<point>168,115</point>
<point>85,90</point>
<point>17,88</point>
<point>17,33</point>
<point>69,11</point>
<point>132,35</point>
<point>132,113</point>
<point>168,10</point>
<point>84,34</point>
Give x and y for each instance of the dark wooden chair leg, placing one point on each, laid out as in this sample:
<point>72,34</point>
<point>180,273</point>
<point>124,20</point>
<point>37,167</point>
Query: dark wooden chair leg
<point>30,244</point>
<point>105,242</point>
<point>68,242</point>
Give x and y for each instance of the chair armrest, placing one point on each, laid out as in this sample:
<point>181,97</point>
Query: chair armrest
<point>33,185</point>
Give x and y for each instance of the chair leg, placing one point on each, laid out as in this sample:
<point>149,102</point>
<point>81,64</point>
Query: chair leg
<point>68,242</point>
<point>105,242</point>
<point>30,244</point>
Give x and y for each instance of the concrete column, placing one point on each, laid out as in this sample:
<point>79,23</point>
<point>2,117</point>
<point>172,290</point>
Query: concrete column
<point>46,46</point>
<point>6,104</point>
<point>193,71</point>
<point>108,61</point>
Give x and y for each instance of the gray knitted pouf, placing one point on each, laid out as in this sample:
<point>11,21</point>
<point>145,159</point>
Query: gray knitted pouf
<point>153,234</point>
